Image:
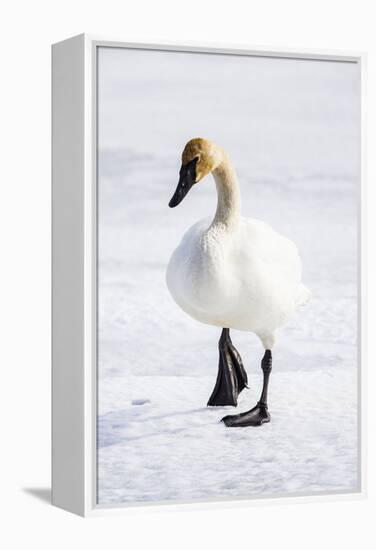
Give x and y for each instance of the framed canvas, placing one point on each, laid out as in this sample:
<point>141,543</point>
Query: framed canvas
<point>208,299</point>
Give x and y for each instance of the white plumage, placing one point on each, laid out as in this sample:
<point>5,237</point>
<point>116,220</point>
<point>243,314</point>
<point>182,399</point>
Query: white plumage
<point>246,277</point>
<point>233,271</point>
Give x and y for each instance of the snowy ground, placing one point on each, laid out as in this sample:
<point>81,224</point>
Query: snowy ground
<point>158,442</point>
<point>292,132</point>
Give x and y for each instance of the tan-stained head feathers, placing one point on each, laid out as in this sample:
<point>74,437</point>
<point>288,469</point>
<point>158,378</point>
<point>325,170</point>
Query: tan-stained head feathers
<point>208,156</point>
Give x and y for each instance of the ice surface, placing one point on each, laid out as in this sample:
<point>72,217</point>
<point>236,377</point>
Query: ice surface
<point>292,130</point>
<point>176,448</point>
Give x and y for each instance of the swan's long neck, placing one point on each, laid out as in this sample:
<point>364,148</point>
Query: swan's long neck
<point>228,206</point>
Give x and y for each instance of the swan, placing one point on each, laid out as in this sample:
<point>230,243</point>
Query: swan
<point>234,273</point>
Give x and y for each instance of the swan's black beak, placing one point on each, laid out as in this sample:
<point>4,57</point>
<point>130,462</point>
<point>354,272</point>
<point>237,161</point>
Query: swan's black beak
<point>186,180</point>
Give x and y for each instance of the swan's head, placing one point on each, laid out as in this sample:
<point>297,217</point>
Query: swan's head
<point>199,158</point>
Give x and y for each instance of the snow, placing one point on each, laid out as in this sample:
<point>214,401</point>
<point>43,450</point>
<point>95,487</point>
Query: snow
<point>292,130</point>
<point>173,447</point>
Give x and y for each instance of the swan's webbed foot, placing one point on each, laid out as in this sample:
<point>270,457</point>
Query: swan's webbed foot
<point>232,378</point>
<point>259,414</point>
<point>255,417</point>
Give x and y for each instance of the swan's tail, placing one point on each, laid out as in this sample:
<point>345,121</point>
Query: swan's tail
<point>304,296</point>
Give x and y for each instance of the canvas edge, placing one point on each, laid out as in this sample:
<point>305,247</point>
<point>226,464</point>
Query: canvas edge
<point>68,381</point>
<point>362,287</point>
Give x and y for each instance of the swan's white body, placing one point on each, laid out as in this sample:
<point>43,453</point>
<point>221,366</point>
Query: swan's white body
<point>236,272</point>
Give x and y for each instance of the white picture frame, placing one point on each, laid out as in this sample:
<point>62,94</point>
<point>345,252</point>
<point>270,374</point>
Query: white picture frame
<point>74,260</point>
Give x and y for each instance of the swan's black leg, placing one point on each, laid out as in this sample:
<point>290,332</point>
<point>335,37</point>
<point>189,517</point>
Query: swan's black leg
<point>232,378</point>
<point>259,414</point>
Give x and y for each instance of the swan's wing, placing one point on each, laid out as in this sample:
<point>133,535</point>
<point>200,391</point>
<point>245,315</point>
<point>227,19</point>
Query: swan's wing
<point>275,264</point>
<point>275,251</point>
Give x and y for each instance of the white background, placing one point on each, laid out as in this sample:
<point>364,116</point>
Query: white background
<point>291,128</point>
<point>27,30</point>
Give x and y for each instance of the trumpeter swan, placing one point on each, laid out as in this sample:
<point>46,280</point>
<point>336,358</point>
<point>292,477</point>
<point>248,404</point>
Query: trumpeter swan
<point>235,273</point>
